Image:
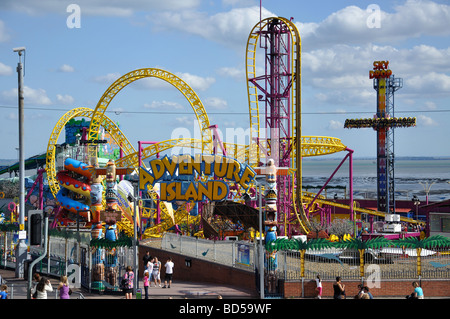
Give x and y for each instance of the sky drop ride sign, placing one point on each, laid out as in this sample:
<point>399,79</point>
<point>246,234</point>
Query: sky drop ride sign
<point>195,178</point>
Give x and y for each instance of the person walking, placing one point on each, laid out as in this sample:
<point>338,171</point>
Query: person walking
<point>156,272</point>
<point>169,272</point>
<point>128,287</point>
<point>319,287</point>
<point>3,291</point>
<point>146,280</point>
<point>339,289</point>
<point>42,288</point>
<point>150,271</point>
<point>63,288</point>
<point>146,259</point>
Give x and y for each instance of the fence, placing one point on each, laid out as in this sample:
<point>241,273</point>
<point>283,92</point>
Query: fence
<point>102,269</point>
<point>240,254</point>
<point>94,268</point>
<point>387,263</point>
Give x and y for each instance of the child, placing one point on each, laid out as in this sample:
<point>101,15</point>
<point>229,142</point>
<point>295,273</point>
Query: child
<point>319,287</point>
<point>146,283</point>
<point>4,292</point>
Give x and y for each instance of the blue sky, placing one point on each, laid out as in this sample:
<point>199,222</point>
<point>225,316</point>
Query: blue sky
<point>204,43</point>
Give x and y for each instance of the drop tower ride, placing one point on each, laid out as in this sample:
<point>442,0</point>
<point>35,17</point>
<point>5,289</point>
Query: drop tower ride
<point>384,122</point>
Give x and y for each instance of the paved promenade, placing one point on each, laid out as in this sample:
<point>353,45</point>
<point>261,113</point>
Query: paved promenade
<point>179,290</point>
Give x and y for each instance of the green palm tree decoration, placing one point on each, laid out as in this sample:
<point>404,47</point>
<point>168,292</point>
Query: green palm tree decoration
<point>297,244</point>
<point>418,244</point>
<point>318,243</point>
<point>361,246</point>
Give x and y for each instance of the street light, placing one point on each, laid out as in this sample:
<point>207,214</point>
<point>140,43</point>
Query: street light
<point>21,248</point>
<point>416,202</point>
<point>427,189</point>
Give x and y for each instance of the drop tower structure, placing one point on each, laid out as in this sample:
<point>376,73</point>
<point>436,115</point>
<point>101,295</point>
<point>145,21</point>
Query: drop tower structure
<point>384,122</point>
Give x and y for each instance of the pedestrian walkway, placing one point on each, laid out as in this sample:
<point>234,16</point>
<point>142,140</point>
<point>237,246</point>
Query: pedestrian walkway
<point>17,289</point>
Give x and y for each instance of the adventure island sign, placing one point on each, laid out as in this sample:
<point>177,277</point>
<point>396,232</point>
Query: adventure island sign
<point>179,177</point>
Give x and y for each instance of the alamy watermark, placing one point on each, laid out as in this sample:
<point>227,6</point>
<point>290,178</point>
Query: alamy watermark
<point>74,19</point>
<point>373,21</point>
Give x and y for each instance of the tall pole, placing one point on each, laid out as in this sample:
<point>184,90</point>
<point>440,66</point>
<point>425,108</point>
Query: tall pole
<point>261,250</point>
<point>21,248</point>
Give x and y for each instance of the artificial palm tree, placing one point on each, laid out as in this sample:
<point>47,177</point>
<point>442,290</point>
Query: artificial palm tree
<point>429,242</point>
<point>361,246</point>
<point>298,244</point>
<point>303,246</point>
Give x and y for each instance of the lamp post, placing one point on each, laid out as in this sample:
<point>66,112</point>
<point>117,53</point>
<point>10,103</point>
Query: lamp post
<point>416,202</point>
<point>21,248</point>
<point>261,249</point>
<point>427,188</point>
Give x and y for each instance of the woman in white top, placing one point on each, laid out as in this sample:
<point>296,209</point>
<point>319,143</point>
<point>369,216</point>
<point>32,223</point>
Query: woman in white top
<point>42,288</point>
<point>149,268</point>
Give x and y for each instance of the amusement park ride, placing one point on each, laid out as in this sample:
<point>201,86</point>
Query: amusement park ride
<point>274,99</point>
<point>384,122</point>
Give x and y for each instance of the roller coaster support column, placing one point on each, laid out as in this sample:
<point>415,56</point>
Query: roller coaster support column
<point>158,210</point>
<point>217,140</point>
<point>21,248</point>
<point>350,162</point>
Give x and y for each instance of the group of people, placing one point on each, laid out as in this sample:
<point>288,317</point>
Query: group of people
<point>42,286</point>
<point>363,291</point>
<point>152,271</point>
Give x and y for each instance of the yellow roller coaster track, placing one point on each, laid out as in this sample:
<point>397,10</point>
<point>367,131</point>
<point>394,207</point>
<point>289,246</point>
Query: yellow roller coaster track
<point>135,75</point>
<point>253,99</point>
<point>107,123</point>
<point>251,154</point>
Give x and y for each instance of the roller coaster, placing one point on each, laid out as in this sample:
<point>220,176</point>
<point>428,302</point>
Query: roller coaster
<point>277,90</point>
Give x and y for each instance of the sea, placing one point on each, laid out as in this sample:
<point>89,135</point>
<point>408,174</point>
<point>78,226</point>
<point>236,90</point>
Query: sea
<point>412,176</point>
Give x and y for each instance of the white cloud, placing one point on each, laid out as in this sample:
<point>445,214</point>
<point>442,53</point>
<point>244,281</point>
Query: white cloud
<point>425,69</point>
<point>186,121</point>
<point>430,84</point>
<point>335,125</point>
<point>235,73</point>
<point>108,78</point>
<point>215,103</point>
<point>65,99</point>
<point>97,7</point>
<point>196,82</point>
<point>5,69</point>
<point>350,25</point>
<point>426,121</point>
<point>4,36</point>
<point>66,68</point>
<point>31,96</point>
<point>229,28</point>
<point>163,105</point>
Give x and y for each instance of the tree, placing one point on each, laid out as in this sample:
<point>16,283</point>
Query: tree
<point>429,242</point>
<point>317,228</point>
<point>361,246</point>
<point>340,227</point>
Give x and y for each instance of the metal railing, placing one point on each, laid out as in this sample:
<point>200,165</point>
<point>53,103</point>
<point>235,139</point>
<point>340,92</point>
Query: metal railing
<point>240,254</point>
<point>387,263</point>
<point>102,269</point>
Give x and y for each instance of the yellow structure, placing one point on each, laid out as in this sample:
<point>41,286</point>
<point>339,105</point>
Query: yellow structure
<point>304,146</point>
